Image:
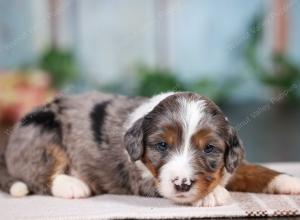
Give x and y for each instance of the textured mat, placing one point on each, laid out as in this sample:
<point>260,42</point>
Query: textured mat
<point>131,207</point>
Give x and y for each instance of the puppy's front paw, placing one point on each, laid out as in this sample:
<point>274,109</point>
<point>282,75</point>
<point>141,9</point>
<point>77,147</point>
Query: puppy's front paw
<point>284,184</point>
<point>69,187</point>
<point>218,197</point>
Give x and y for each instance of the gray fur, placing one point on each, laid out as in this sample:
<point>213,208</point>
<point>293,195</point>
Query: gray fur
<point>234,152</point>
<point>105,167</point>
<point>102,158</point>
<point>133,140</point>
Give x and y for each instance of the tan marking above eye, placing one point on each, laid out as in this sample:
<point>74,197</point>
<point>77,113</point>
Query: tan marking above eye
<point>171,135</point>
<point>206,136</point>
<point>201,138</point>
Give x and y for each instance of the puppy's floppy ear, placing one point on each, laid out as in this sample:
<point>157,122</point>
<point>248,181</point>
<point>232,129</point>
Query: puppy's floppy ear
<point>234,153</point>
<point>133,140</point>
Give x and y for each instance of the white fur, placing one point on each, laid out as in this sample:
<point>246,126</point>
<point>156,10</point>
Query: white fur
<point>226,177</point>
<point>177,168</point>
<point>19,189</point>
<point>284,184</point>
<point>218,197</point>
<point>191,112</point>
<point>145,108</point>
<point>69,187</point>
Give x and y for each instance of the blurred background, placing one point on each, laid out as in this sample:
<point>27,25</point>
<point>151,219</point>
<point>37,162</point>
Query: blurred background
<point>242,54</point>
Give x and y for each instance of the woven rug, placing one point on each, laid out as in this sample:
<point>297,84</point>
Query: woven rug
<point>132,207</point>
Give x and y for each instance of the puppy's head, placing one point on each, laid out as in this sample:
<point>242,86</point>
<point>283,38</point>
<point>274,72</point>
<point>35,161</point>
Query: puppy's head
<point>187,144</point>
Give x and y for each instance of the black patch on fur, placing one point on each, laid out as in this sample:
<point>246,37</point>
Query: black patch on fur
<point>98,115</point>
<point>61,109</point>
<point>45,157</point>
<point>213,165</point>
<point>214,112</point>
<point>46,120</point>
<point>123,175</point>
<point>69,127</point>
<point>57,100</point>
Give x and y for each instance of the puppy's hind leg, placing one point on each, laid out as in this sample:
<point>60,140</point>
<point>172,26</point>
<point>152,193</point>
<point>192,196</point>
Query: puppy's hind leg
<point>259,179</point>
<point>63,185</point>
<point>45,172</point>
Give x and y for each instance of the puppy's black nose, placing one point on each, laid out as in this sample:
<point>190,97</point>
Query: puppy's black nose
<point>182,186</point>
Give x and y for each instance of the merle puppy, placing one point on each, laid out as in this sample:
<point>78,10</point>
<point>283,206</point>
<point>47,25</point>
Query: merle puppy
<point>176,145</point>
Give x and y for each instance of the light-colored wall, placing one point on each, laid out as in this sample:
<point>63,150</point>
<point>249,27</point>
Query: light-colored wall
<point>15,29</point>
<point>113,37</point>
<point>203,38</point>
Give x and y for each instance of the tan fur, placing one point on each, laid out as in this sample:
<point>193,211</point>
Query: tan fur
<point>207,136</point>
<point>150,166</point>
<point>251,178</point>
<point>61,161</point>
<point>172,135</point>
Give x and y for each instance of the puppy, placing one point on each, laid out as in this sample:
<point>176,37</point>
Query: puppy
<point>176,145</point>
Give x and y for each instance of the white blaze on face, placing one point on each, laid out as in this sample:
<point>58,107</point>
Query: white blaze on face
<point>191,114</point>
<point>180,164</point>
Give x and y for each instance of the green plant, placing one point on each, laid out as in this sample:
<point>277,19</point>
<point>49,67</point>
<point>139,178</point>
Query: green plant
<point>215,90</point>
<point>154,81</point>
<point>61,66</point>
<point>282,74</point>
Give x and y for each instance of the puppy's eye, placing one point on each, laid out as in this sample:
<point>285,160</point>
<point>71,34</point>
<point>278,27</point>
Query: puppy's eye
<point>209,148</point>
<point>161,146</point>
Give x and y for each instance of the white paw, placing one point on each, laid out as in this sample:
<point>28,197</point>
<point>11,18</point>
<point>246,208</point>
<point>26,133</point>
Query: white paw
<point>219,196</point>
<point>284,184</point>
<point>69,187</point>
<point>18,189</point>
